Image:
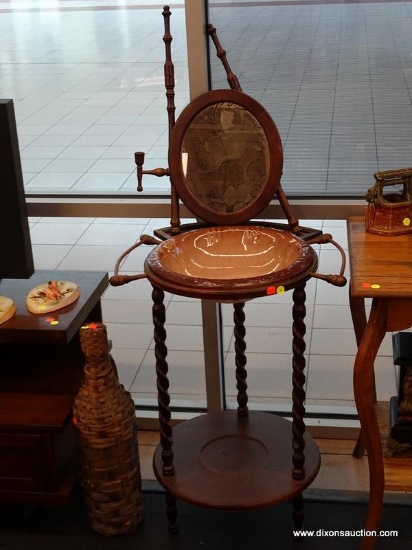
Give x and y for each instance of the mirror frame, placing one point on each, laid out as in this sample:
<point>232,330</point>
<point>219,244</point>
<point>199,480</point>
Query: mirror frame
<point>178,178</point>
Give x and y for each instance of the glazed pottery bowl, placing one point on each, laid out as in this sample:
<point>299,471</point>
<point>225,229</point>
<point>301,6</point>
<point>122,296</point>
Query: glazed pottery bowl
<point>215,261</point>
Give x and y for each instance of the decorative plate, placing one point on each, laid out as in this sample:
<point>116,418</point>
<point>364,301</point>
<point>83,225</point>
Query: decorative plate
<point>51,296</point>
<point>7,309</point>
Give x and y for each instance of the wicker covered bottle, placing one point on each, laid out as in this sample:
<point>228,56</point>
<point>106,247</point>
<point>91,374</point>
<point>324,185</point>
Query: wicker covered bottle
<point>104,414</point>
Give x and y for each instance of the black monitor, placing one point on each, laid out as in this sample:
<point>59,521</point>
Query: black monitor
<point>16,257</point>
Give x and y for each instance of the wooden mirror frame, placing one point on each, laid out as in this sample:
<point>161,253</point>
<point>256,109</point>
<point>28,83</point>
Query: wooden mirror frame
<point>273,174</point>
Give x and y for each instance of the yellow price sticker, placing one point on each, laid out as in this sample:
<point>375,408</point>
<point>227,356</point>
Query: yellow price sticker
<point>406,221</point>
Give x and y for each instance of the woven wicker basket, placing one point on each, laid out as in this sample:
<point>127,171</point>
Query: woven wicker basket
<point>104,414</point>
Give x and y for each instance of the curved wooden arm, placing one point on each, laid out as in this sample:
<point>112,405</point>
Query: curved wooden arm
<point>118,280</point>
<point>336,280</point>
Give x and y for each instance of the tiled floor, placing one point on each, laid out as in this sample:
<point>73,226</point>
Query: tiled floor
<point>336,77</point>
<point>87,81</point>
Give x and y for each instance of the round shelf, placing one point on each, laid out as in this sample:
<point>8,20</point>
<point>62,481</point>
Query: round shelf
<point>230,463</point>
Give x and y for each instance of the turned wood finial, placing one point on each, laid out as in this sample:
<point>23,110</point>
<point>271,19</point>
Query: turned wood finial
<point>221,54</point>
<point>235,85</point>
<point>171,108</point>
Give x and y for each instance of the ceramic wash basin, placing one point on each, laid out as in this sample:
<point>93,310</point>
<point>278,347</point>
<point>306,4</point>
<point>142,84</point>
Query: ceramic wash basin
<point>214,262</point>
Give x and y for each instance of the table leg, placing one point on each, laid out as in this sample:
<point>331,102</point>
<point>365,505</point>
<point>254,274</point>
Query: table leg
<point>298,382</point>
<point>240,358</point>
<point>358,312</point>
<point>162,368</point>
<point>171,510</point>
<point>364,390</point>
<point>298,504</point>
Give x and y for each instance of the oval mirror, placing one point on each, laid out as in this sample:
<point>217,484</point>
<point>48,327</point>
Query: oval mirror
<point>225,157</point>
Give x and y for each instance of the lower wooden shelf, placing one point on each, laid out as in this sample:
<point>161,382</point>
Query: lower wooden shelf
<point>38,451</point>
<point>228,462</point>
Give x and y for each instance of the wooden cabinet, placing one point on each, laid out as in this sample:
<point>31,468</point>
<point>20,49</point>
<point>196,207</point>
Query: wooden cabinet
<point>41,369</point>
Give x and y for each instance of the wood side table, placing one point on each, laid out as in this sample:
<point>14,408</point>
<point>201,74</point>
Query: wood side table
<point>41,370</point>
<point>381,269</point>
